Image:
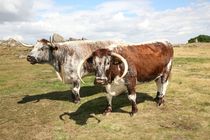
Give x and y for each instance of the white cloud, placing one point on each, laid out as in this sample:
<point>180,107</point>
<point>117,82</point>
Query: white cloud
<point>15,10</point>
<point>132,21</point>
<point>43,5</point>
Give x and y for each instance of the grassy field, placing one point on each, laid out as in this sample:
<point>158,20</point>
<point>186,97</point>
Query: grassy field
<point>35,105</point>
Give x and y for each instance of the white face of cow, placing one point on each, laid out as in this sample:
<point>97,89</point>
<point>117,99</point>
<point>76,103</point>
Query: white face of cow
<point>41,53</point>
<point>103,61</point>
<point>101,65</point>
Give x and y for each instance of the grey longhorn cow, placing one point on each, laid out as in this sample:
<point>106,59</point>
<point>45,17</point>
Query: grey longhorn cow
<point>65,56</point>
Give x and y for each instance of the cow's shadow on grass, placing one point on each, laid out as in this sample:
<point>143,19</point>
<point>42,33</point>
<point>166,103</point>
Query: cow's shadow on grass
<point>96,106</point>
<point>90,108</point>
<point>61,95</point>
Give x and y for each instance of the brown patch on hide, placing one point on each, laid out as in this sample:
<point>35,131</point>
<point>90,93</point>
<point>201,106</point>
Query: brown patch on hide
<point>101,52</point>
<point>44,41</point>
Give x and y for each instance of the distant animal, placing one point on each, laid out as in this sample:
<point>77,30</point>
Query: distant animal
<point>76,39</point>
<point>121,68</point>
<point>64,57</point>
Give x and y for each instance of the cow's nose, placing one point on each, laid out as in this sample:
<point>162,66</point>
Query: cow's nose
<point>31,59</point>
<point>101,81</point>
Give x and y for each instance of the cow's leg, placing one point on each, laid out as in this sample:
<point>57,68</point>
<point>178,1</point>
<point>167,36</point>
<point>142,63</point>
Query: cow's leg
<point>108,108</point>
<point>161,90</point>
<point>162,83</point>
<point>75,92</point>
<point>131,83</point>
<point>109,96</point>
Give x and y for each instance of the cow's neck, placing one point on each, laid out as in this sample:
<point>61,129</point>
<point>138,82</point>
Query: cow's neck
<point>58,61</point>
<point>58,66</point>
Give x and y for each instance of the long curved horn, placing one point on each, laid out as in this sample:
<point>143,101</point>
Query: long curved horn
<point>124,62</point>
<point>51,43</point>
<point>80,66</point>
<point>50,39</point>
<point>26,45</point>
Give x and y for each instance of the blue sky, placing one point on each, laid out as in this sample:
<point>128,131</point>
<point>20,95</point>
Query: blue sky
<point>170,4</point>
<point>128,20</point>
<point>86,4</point>
<point>157,4</point>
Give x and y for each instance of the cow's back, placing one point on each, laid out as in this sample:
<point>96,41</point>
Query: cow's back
<point>147,61</point>
<point>85,48</point>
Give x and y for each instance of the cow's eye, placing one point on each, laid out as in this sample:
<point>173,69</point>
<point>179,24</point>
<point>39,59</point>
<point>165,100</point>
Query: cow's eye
<point>42,49</point>
<point>107,62</point>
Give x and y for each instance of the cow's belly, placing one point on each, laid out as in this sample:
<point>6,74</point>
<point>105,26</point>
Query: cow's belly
<point>64,78</point>
<point>68,81</point>
<point>148,77</point>
<point>116,87</point>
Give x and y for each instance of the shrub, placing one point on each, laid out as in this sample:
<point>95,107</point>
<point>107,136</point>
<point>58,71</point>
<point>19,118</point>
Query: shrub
<point>200,38</point>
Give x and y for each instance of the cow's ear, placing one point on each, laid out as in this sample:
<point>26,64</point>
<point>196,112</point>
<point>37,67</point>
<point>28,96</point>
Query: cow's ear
<point>116,60</point>
<point>109,52</point>
<point>53,48</point>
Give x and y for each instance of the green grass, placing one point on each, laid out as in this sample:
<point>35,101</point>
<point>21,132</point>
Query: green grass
<point>189,60</point>
<point>35,105</point>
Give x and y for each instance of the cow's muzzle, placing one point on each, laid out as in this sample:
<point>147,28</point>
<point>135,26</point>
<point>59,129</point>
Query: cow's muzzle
<point>31,59</point>
<point>101,81</point>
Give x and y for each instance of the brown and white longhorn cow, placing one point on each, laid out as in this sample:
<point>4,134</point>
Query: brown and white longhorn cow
<point>138,62</point>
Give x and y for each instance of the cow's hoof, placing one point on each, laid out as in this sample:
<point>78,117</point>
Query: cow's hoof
<point>77,101</point>
<point>107,111</point>
<point>159,101</point>
<point>132,114</point>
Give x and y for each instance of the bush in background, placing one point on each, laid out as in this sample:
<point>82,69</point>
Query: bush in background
<point>200,38</point>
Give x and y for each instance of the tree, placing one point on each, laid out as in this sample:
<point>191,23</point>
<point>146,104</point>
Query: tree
<point>200,38</point>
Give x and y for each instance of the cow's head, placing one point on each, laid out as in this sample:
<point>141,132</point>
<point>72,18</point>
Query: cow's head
<point>103,60</point>
<point>42,52</point>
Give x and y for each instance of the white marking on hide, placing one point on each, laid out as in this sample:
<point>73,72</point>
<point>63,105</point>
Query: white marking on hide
<point>35,51</point>
<point>164,88</point>
<point>115,89</point>
<point>109,99</point>
<point>117,44</point>
<point>169,65</point>
<point>97,59</point>
<point>75,42</point>
<point>75,89</point>
<point>79,42</point>
<point>109,90</point>
<point>102,78</point>
<point>161,87</point>
<point>164,41</point>
<point>132,97</point>
<point>120,45</point>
